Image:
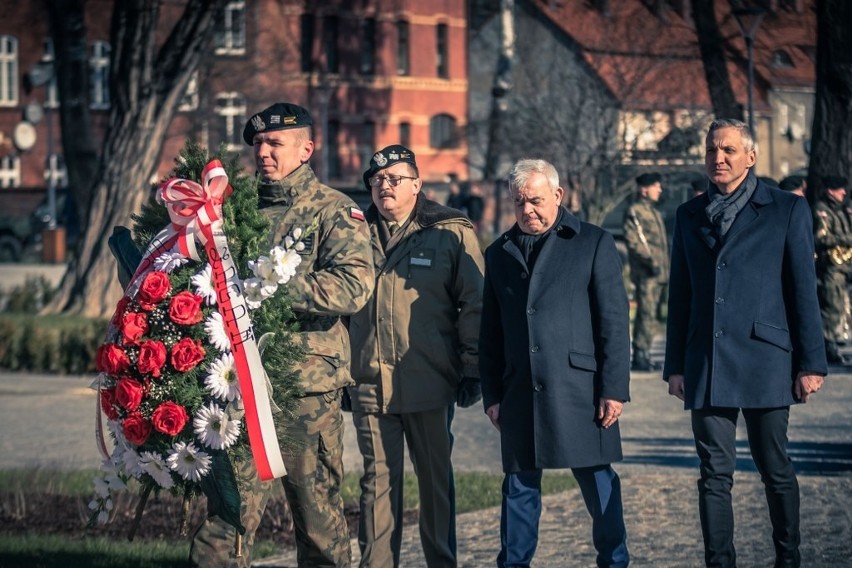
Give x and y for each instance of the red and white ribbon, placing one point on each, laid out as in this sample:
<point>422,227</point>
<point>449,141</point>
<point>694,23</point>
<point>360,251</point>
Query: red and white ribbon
<point>195,211</point>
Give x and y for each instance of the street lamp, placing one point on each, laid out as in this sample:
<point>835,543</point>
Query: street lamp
<point>748,19</point>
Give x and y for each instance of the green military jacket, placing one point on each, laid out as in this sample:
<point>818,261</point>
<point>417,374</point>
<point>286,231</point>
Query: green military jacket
<point>647,242</point>
<point>335,277</point>
<point>420,333</point>
<point>833,235</point>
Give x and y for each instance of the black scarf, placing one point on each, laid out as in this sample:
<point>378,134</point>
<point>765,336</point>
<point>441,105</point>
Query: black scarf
<point>530,245</point>
<point>723,208</point>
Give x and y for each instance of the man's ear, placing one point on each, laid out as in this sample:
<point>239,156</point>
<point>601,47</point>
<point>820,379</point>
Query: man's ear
<point>307,151</point>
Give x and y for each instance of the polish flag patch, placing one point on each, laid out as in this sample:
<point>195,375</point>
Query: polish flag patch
<point>356,213</point>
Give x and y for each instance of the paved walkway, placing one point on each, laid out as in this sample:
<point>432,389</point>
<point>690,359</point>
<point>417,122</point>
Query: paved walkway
<point>48,421</point>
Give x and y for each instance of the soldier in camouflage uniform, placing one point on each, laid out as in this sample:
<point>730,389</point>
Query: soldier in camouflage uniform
<point>334,279</point>
<point>648,257</point>
<point>833,241</point>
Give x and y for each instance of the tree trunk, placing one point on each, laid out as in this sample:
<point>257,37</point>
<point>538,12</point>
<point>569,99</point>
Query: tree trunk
<point>146,86</point>
<point>831,138</point>
<point>711,45</point>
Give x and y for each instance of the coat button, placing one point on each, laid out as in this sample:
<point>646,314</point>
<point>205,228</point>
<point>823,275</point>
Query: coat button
<point>722,266</point>
<point>530,311</point>
<point>538,387</point>
<point>720,300</point>
<point>523,275</point>
<point>534,349</point>
<point>719,333</point>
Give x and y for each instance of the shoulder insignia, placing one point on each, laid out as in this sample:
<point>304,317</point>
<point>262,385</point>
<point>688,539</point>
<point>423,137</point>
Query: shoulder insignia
<point>356,213</point>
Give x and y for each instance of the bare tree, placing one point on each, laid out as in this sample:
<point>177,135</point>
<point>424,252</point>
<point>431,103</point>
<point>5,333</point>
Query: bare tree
<point>831,142</point>
<point>147,81</point>
<point>712,48</point>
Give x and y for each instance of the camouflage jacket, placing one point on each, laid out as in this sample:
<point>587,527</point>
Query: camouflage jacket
<point>419,334</point>
<point>647,242</point>
<point>833,234</point>
<point>335,277</point>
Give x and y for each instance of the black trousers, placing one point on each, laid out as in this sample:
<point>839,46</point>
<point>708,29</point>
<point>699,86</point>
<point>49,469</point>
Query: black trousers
<point>715,441</point>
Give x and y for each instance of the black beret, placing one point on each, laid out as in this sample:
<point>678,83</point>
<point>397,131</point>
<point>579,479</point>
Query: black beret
<point>385,158</point>
<point>644,180</point>
<point>834,182</point>
<point>790,183</point>
<point>280,116</point>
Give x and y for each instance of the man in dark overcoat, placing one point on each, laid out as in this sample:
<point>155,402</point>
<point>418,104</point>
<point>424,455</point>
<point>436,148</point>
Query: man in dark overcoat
<point>744,334</point>
<point>554,354</point>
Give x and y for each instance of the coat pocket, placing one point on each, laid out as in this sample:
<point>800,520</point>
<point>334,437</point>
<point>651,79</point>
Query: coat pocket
<point>775,335</point>
<point>583,361</point>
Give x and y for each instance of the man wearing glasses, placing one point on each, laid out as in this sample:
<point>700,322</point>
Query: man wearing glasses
<point>414,355</point>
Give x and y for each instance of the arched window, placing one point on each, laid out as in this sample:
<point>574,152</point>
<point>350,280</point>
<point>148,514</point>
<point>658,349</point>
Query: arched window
<point>442,131</point>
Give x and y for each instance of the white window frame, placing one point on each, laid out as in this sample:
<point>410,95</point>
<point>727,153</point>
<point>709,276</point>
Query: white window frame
<point>99,71</point>
<point>231,36</point>
<point>8,70</point>
<point>10,171</point>
<point>56,171</point>
<point>189,102</point>
<point>51,94</point>
<point>231,108</point>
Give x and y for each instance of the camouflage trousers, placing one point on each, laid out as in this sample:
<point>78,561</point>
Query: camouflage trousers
<point>312,487</point>
<point>648,293</point>
<point>834,306</point>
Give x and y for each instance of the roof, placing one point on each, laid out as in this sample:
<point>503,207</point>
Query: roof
<point>649,57</point>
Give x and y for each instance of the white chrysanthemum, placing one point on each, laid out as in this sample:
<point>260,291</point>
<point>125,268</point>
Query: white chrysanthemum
<point>213,427</point>
<point>132,463</point>
<point>222,380</point>
<point>153,465</point>
<point>254,292</point>
<point>190,462</point>
<point>214,325</point>
<point>203,282</point>
<point>169,261</point>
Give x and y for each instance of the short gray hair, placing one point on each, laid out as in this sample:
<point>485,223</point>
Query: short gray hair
<point>742,127</point>
<point>524,169</point>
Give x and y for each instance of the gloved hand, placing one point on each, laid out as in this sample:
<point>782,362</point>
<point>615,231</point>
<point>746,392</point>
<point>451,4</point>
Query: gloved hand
<point>469,392</point>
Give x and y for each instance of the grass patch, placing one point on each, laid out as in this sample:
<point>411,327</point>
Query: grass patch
<point>474,491</point>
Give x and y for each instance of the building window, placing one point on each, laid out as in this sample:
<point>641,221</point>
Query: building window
<point>368,46</point>
<point>405,134</point>
<point>231,29</point>
<point>781,59</point>
<point>442,131</point>
<point>329,41</point>
<point>443,62</point>
<point>189,102</point>
<point>402,48</point>
<point>230,110</point>
<point>10,171</point>
<point>51,96</point>
<point>8,71</point>
<point>333,149</point>
<point>55,171</point>
<point>307,43</point>
<point>99,70</point>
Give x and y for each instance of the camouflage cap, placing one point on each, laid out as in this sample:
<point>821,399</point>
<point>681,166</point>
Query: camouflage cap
<point>280,116</point>
<point>386,157</point>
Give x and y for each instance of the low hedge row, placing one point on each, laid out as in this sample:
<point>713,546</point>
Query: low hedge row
<point>49,344</point>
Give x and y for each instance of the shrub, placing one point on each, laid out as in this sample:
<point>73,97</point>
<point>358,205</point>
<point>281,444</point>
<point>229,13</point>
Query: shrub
<point>49,344</point>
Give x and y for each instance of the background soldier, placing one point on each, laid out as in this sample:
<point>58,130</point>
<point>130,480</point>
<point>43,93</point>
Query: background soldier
<point>334,279</point>
<point>648,256</point>
<point>833,242</point>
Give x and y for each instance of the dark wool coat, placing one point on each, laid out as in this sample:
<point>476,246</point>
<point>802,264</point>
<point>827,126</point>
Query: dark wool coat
<point>551,344</point>
<point>743,315</point>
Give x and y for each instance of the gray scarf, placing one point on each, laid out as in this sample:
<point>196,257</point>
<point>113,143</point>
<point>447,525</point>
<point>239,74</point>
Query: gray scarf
<point>723,208</point>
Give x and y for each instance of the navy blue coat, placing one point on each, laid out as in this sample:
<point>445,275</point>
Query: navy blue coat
<point>743,316</point>
<point>551,344</point>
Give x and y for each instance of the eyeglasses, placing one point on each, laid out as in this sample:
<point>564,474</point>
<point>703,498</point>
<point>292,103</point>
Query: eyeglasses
<point>393,181</point>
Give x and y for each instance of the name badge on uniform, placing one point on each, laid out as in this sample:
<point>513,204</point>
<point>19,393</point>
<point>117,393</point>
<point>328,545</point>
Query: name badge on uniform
<point>420,261</point>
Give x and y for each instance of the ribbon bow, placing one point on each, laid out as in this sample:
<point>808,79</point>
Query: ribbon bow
<point>192,206</point>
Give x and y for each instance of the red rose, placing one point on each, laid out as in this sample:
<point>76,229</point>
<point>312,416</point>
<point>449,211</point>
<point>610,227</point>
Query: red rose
<point>136,429</point>
<point>186,354</point>
<point>154,289</point>
<point>169,418</point>
<point>185,308</point>
<point>120,308</point>
<point>111,359</point>
<point>152,357</point>
<point>129,393</point>
<point>133,326</point>
<point>108,403</point>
